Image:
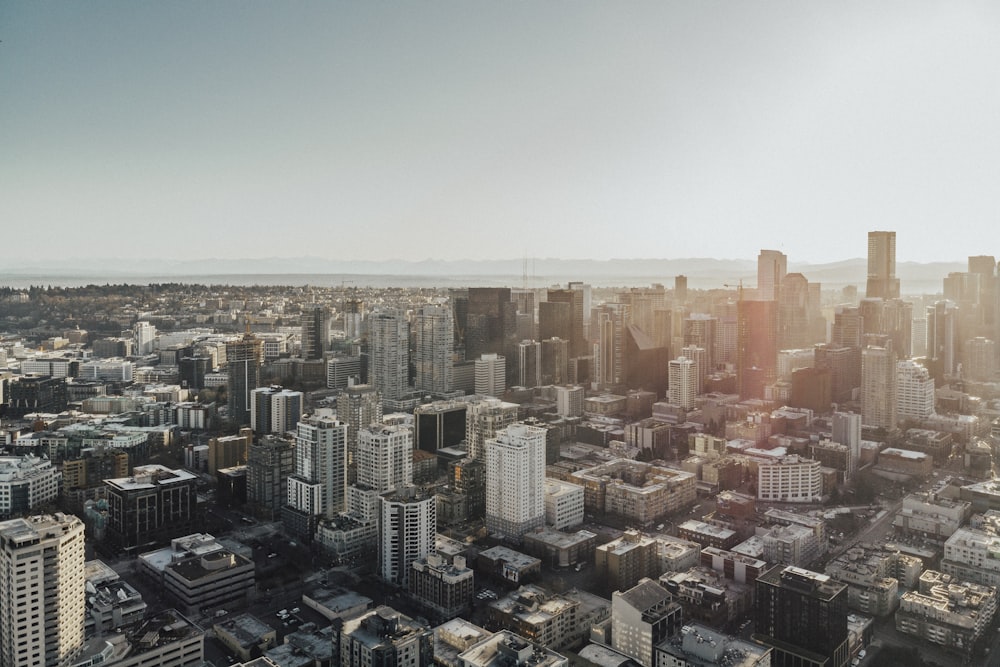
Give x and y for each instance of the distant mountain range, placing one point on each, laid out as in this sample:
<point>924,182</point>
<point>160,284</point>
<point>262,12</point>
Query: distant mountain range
<point>702,272</point>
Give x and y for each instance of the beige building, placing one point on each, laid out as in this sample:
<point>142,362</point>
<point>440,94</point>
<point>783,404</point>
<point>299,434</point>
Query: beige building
<point>636,491</point>
<point>947,611</point>
<point>928,514</point>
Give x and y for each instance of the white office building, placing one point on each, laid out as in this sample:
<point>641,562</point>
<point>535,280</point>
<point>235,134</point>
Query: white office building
<point>790,479</point>
<point>385,457</point>
<point>914,391</point>
<point>491,375</point>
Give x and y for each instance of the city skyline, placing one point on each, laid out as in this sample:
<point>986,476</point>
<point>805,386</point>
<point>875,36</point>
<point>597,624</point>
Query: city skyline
<point>579,131</point>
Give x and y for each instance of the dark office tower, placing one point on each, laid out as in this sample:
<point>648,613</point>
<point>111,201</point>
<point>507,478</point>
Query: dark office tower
<point>771,268</point>
<point>433,329</point>
<point>192,371</point>
<point>438,425</point>
<point>844,364</point>
<point>36,394</point>
<point>269,463</point>
<point>793,312</point>
<point>847,327</point>
<point>358,407</point>
<point>577,342</point>
<point>897,324</point>
<point>646,363</point>
<point>700,330</point>
<point>609,324</point>
<point>460,316</point>
<point>243,360</point>
<point>942,338</point>
<point>882,280</point>
<point>985,266</point>
<point>315,322</point>
<point>491,322</point>
<point>529,363</point>
<point>680,289</point>
<point>554,320</point>
<point>353,319</point>
<point>555,361</point>
<point>803,616</point>
<point>756,347</point>
<point>469,477</point>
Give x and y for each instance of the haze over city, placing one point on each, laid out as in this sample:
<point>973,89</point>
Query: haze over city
<point>460,130</point>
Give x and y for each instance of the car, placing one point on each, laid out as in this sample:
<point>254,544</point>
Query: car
<point>295,610</point>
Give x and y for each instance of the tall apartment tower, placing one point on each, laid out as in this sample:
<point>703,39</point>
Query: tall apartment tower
<point>434,340</point>
<point>385,457</point>
<point>914,391</point>
<point>315,322</point>
<point>243,360</point>
<point>515,480</point>
<point>491,375</point>
<point>701,330</point>
<point>483,420</point>
<point>143,338</point>
<point>274,410</point>
<point>772,265</point>
<point>699,356</point>
<point>878,385</point>
<point>408,528</point>
<point>882,280</point>
<point>270,462</point>
<point>802,615</point>
<point>319,486</point>
<point>43,599</point>
<point>683,382</point>
<point>389,352</point>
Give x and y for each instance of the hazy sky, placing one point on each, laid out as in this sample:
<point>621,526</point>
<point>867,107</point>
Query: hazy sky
<point>432,129</point>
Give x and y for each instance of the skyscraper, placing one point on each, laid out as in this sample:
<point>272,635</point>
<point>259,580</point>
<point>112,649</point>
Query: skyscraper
<point>389,352</point>
<point>529,363</point>
<point>803,616</point>
<point>683,382</point>
<point>43,600</point>
<point>878,384</point>
<point>846,430</point>
<point>574,298</point>
<point>757,346</point>
<point>515,480</point>
<point>274,410</point>
<point>882,280</point>
<point>914,391</point>
<point>491,375</point>
<point>319,486</point>
<point>315,321</point>
<point>434,333</point>
<point>483,420</point>
<point>358,406</point>
<point>942,338</point>
<point>243,360</point>
<point>408,528</point>
<point>771,268</point>
<point>385,457</point>
<point>491,322</point>
<point>610,322</point>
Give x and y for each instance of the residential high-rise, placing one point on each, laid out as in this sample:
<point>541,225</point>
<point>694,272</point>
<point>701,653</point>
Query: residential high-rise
<point>243,360</point>
<point>914,391</point>
<point>315,321</point>
<point>846,430</point>
<point>609,324</point>
<point>515,480</point>
<point>143,338</point>
<point>577,317</point>
<point>701,330</point>
<point>491,375</point>
<point>683,382</point>
<point>389,352</point>
<point>43,599</point>
<point>270,461</point>
<point>274,410</point>
<point>408,528</point>
<point>433,330</point>
<point>771,268</point>
<point>878,385</point>
<point>358,406</point>
<point>882,280</point>
<point>802,615</point>
<point>485,418</point>
<point>318,488</point>
<point>385,457</point>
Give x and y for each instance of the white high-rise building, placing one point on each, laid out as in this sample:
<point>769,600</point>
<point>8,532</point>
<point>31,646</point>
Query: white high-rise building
<point>515,480</point>
<point>484,419</point>
<point>389,352</point>
<point>846,427</point>
<point>914,391</point>
<point>319,485</point>
<point>385,457</point>
<point>434,338</point>
<point>408,527</point>
<point>878,386</point>
<point>772,265</point>
<point>569,401</point>
<point>683,382</point>
<point>274,410</point>
<point>491,375</point>
<point>144,338</point>
<point>42,598</point>
<point>529,363</point>
<point>699,356</point>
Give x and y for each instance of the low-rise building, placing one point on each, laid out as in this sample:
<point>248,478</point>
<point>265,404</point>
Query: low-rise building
<point>443,586</point>
<point>708,535</point>
<point>732,565</point>
<point>931,515</point>
<point>244,635</point>
<point>26,483</point>
<point>789,479</point>
<point>306,647</point>
<point>624,561</point>
<point>507,649</point>
<point>112,604</point>
<point>336,603</point>
<point>903,464</point>
<point>547,619</point>
<point>200,573</point>
<point>165,640</point>
<point>642,617</point>
<point>383,636</point>
<point>700,646</point>
<point>708,597</point>
<point>563,504</point>
<point>675,554</point>
<point>973,555</point>
<point>634,490</point>
<point>508,564</point>
<point>559,549</point>
<point>867,570</point>
<point>947,611</point>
